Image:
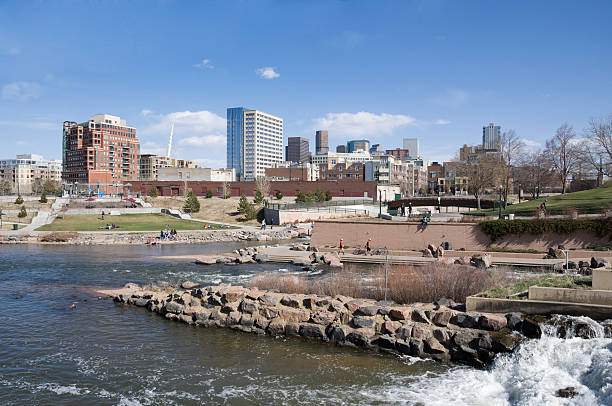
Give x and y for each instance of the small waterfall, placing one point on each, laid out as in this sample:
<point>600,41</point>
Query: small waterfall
<point>534,373</point>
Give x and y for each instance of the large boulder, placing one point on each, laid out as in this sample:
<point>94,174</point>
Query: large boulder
<point>290,301</point>
<point>187,285</point>
<point>312,331</point>
<point>363,322</point>
<point>492,322</point>
<point>481,260</point>
<point>599,262</point>
<point>400,313</point>
<point>206,260</point>
<point>323,317</point>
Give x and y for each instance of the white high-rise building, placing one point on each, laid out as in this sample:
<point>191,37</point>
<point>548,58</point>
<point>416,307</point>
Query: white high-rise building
<point>412,145</point>
<point>255,142</point>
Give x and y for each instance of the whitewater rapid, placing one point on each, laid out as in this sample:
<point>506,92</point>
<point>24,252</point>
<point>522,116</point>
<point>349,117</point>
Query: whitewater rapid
<point>531,375</point>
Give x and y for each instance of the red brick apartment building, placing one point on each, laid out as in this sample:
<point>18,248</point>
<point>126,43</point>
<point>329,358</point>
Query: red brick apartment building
<point>100,154</point>
<point>342,172</point>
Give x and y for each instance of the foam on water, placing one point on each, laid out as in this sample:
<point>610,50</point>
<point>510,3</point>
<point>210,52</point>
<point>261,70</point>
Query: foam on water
<point>531,375</point>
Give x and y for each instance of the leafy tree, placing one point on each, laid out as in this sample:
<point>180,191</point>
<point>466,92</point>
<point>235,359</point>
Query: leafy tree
<point>192,204</point>
<point>22,213</point>
<point>319,196</point>
<point>328,196</point>
<point>209,194</point>
<point>279,195</point>
<point>300,198</point>
<point>258,197</point>
<point>5,187</point>
<point>311,197</point>
<point>19,200</point>
<point>43,197</point>
<point>153,192</point>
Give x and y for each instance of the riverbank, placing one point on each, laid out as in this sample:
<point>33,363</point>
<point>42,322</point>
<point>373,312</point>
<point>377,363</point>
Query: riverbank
<point>441,331</point>
<point>141,238</point>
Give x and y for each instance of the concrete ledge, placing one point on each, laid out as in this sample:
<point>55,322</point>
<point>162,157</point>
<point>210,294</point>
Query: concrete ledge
<point>602,279</point>
<point>489,305</point>
<point>564,295</point>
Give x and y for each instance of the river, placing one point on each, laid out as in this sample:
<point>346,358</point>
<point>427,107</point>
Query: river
<point>106,354</point>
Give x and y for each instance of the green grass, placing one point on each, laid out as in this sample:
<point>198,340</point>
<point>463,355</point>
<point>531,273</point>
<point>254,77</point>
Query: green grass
<point>586,201</point>
<point>519,290</point>
<point>126,222</point>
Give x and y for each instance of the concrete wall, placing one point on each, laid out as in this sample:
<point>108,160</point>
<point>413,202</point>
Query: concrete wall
<point>412,236</point>
<point>602,279</point>
<point>145,210</point>
<point>588,296</point>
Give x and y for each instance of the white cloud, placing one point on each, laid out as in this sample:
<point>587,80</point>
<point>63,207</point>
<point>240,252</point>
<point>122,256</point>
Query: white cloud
<point>197,134</point>
<point>145,112</point>
<point>205,141</point>
<point>362,123</point>
<point>267,72</point>
<point>442,122</point>
<point>530,143</point>
<point>21,91</point>
<point>186,123</point>
<point>204,64</point>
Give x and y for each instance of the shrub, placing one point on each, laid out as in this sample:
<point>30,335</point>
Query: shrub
<point>319,195</point>
<point>22,213</point>
<point>19,200</point>
<point>153,192</point>
<point>328,196</point>
<point>406,284</point>
<point>192,204</point>
<point>258,197</point>
<point>497,229</point>
<point>300,198</point>
<point>311,197</point>
<point>58,237</point>
<point>209,194</point>
<point>279,195</point>
<point>246,208</point>
<point>43,197</point>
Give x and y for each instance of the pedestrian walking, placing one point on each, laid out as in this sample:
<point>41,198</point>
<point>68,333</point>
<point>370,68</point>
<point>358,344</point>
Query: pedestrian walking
<point>369,246</point>
<point>341,246</point>
<point>409,209</point>
<point>263,224</point>
<point>403,210</point>
<point>102,214</point>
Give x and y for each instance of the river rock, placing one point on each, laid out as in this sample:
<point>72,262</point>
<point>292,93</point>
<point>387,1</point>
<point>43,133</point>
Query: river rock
<point>141,302</point>
<point>261,258</point>
<point>531,328</point>
<point>416,347</point>
<point>323,317</point>
<point>360,337</point>
<point>492,322</point>
<point>290,301</point>
<point>568,392</point>
<point>206,260</point>
<point>268,299</point>
<point>514,321</point>
<point>363,322</point>
<point>189,285</point>
<point>367,310</point>
<point>433,346</point>
<point>599,262</point>
<point>232,294</point>
<point>481,260</point>
<point>442,318</point>
<point>276,327</point>
<point>312,331</point>
<point>294,316</point>
<point>466,320</point>
<point>420,316</point>
<point>292,329</point>
<point>400,313</point>
<point>385,341</point>
<point>338,333</point>
<point>248,307</point>
<point>173,307</point>
<point>404,333</point>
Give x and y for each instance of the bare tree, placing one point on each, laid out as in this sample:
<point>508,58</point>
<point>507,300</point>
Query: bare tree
<point>262,184</point>
<point>533,172</point>
<point>561,151</point>
<point>511,151</point>
<point>482,174</point>
<point>596,150</point>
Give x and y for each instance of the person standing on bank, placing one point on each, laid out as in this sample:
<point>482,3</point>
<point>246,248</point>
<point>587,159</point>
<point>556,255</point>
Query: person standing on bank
<point>263,224</point>
<point>341,246</point>
<point>369,246</point>
<point>409,209</point>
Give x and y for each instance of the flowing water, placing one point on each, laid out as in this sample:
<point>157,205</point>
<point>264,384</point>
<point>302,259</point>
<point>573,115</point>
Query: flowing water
<point>105,354</point>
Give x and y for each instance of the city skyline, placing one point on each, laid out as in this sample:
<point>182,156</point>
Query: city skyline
<point>433,90</point>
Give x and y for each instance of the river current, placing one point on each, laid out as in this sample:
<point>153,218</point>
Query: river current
<point>106,354</point>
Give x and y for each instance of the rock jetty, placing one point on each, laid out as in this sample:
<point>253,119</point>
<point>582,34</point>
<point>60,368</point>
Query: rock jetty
<point>439,331</point>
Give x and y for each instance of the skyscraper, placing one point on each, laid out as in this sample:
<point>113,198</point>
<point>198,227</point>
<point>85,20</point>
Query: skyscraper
<point>412,145</point>
<point>254,142</point>
<point>491,136</point>
<point>321,142</point>
<point>100,153</point>
<point>355,145</point>
<point>298,149</point>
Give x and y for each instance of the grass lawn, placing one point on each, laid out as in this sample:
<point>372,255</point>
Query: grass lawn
<point>125,222</point>
<point>587,201</point>
<point>519,289</point>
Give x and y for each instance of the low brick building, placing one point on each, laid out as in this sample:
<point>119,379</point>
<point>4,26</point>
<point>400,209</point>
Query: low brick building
<point>200,188</point>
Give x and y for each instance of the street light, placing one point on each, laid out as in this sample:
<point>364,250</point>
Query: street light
<point>500,202</point>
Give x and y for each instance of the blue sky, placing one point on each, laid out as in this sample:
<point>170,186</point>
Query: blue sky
<point>382,70</point>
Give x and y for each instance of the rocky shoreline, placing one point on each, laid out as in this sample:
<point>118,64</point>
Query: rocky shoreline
<point>138,238</point>
<point>441,331</point>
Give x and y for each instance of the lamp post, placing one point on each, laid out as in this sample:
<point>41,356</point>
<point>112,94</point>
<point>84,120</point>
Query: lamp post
<point>500,202</point>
